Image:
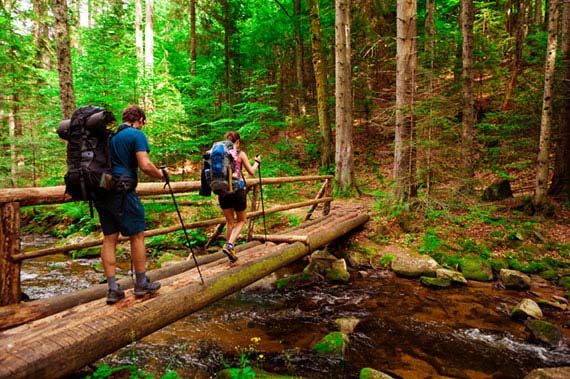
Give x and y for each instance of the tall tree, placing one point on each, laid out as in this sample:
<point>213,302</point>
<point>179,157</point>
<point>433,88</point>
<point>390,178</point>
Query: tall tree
<point>542,162</point>
<point>193,37</point>
<point>404,141</point>
<point>560,185</point>
<point>63,49</point>
<point>468,121</point>
<point>299,59</point>
<point>41,32</point>
<point>319,67</point>
<point>344,153</point>
<point>520,29</point>
<point>149,53</point>
<point>139,43</point>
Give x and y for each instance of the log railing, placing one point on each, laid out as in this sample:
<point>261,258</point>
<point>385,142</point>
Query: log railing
<point>12,199</point>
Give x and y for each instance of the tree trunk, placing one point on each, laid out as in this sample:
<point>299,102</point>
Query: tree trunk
<point>41,32</point>
<point>344,153</point>
<point>192,37</point>
<point>299,59</point>
<point>467,132</point>
<point>560,185</point>
<point>149,53</point>
<point>64,68</point>
<point>426,138</point>
<point>542,162</point>
<point>319,67</point>
<point>139,43</point>
<point>520,30</point>
<point>404,142</point>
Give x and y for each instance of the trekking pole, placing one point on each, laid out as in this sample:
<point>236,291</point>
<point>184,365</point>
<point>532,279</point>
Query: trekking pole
<point>167,180</point>
<point>261,193</point>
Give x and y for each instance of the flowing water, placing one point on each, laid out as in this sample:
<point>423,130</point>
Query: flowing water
<point>406,330</point>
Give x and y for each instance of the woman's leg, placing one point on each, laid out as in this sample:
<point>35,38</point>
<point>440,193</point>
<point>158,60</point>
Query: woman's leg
<point>229,216</point>
<point>236,230</point>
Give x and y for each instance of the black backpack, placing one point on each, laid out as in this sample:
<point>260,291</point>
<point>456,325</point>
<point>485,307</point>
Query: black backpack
<point>218,170</point>
<point>87,134</point>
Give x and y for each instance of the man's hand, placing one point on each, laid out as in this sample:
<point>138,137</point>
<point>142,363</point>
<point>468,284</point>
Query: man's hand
<point>165,174</point>
<point>257,159</point>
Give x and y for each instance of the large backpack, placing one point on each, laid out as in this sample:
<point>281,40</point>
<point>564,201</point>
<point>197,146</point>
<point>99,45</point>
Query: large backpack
<point>219,167</point>
<point>87,134</point>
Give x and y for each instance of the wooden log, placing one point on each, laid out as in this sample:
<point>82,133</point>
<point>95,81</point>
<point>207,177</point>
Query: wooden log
<point>9,246</point>
<point>59,345</point>
<point>280,238</point>
<point>55,195</point>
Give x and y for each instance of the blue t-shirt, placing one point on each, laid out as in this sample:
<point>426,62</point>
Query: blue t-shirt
<point>123,148</point>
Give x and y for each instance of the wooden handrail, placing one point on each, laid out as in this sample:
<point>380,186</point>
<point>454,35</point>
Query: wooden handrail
<point>56,195</point>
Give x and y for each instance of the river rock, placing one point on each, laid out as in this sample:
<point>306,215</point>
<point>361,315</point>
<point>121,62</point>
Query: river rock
<point>526,308</point>
<point>435,282</point>
<point>476,269</point>
<point>370,373</point>
<point>498,190</point>
<point>414,265</point>
<point>319,262</point>
<point>333,344</point>
<point>549,373</point>
<point>338,272</point>
<point>545,332</point>
<point>454,276</point>
<point>515,280</point>
<point>346,325</point>
<point>359,259</point>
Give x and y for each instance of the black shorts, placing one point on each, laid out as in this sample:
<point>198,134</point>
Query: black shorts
<point>236,200</point>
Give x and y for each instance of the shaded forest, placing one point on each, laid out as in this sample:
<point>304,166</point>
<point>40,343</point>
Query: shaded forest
<point>475,92</point>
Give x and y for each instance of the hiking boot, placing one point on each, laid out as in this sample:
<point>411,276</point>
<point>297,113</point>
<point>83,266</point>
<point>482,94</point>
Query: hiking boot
<point>115,295</point>
<point>147,287</point>
<point>230,252</point>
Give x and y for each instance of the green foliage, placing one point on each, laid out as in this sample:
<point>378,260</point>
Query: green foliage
<point>104,371</point>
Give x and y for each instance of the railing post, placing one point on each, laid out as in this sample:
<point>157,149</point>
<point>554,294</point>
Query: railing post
<point>10,291</point>
<point>253,208</point>
<point>328,193</point>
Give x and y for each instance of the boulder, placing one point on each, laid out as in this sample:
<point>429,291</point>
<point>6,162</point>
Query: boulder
<point>333,344</point>
<point>338,272</point>
<point>545,332</point>
<point>476,269</point>
<point>515,280</point>
<point>435,282</point>
<point>549,373</point>
<point>346,325</point>
<point>499,190</point>
<point>526,308</point>
<point>414,265</point>
<point>454,277</point>
<point>370,373</point>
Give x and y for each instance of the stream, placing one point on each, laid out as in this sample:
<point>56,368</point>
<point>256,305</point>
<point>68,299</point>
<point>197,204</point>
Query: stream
<point>406,330</point>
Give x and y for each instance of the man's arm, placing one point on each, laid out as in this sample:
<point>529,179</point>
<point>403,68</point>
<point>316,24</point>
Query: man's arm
<point>146,165</point>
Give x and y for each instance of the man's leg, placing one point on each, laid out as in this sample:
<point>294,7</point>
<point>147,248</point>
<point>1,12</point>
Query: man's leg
<point>109,260</point>
<point>138,254</point>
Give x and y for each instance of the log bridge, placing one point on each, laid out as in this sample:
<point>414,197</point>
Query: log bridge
<point>51,338</point>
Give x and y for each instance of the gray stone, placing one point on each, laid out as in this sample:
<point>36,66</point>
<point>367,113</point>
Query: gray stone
<point>526,308</point>
<point>414,265</point>
<point>513,279</point>
<point>549,373</point>
<point>454,276</point>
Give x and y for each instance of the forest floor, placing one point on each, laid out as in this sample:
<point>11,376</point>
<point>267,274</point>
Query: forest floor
<point>450,224</point>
